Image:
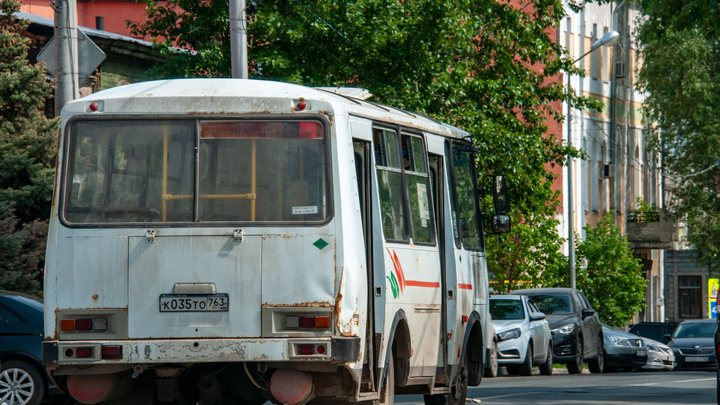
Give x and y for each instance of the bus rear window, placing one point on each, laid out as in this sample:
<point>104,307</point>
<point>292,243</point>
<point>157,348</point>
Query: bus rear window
<point>163,171</point>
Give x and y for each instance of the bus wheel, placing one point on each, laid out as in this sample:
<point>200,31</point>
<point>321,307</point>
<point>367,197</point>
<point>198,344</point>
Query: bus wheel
<point>458,388</point>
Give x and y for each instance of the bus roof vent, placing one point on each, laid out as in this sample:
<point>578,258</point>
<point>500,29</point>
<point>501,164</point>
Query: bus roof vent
<point>354,92</point>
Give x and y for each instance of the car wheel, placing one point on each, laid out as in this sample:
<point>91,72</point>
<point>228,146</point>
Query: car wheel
<point>491,370</point>
<point>21,384</point>
<point>608,367</point>
<point>597,366</point>
<point>526,367</point>
<point>576,366</point>
<point>458,388</point>
<point>547,367</point>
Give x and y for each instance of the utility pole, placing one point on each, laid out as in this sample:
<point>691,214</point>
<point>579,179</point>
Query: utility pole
<point>66,85</point>
<point>238,39</point>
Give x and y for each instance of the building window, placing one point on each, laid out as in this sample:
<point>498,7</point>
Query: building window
<point>690,292</point>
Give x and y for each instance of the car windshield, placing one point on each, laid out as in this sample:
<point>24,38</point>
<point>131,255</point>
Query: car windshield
<point>654,332</point>
<point>505,310</point>
<point>553,304</point>
<point>694,330</point>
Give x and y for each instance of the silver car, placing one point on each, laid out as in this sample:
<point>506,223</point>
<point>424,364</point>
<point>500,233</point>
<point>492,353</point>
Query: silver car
<point>522,335</point>
<point>623,351</point>
<point>660,356</point>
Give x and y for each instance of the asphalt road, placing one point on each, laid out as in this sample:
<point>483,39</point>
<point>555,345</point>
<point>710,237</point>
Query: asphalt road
<point>654,388</point>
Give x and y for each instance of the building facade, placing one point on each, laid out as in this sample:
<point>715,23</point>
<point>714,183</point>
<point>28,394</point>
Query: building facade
<point>621,169</point>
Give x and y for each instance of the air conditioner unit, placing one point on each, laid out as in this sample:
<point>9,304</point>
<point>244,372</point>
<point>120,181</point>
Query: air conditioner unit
<point>620,70</point>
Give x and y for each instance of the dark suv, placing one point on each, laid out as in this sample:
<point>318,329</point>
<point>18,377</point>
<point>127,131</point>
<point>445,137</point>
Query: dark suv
<point>21,337</point>
<point>576,329</point>
<point>657,331</point>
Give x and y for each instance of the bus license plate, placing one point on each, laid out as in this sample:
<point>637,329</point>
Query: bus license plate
<point>696,359</point>
<point>194,302</point>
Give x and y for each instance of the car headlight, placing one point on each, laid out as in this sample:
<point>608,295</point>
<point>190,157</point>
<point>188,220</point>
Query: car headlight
<point>564,330</point>
<point>508,335</point>
<point>618,341</point>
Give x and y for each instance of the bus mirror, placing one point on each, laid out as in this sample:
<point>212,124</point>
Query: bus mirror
<point>500,223</point>
<point>500,195</point>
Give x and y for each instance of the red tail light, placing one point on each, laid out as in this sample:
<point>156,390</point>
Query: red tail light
<point>112,352</point>
<point>321,349</point>
<point>83,324</point>
<point>307,349</point>
<point>307,321</point>
<point>83,352</point>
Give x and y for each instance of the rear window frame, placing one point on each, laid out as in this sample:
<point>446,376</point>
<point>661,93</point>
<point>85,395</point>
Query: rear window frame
<point>64,170</point>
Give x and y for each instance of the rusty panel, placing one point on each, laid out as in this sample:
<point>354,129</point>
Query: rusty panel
<point>298,269</point>
<point>234,268</point>
<point>92,272</point>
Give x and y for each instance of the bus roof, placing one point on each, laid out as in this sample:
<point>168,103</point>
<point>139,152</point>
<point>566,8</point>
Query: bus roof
<point>203,89</point>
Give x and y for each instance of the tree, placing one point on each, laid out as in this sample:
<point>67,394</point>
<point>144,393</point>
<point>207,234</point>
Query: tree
<point>22,249</point>
<point>27,137</point>
<point>485,66</point>
<point>607,273</point>
<point>27,152</point>
<point>679,74</point>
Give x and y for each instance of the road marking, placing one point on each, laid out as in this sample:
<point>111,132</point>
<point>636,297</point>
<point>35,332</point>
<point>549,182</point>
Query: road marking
<point>642,385</point>
<point>699,379</point>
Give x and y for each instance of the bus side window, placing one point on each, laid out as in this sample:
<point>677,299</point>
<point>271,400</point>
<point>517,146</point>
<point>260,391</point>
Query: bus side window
<point>389,176</point>
<point>416,180</point>
<point>466,199</point>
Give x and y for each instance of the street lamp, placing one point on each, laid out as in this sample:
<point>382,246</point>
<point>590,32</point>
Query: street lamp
<point>609,39</point>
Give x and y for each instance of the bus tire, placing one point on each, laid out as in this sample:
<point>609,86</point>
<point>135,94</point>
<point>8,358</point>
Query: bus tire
<point>387,396</point>
<point>458,388</point>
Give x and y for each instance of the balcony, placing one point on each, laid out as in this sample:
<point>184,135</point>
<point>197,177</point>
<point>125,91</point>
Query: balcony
<point>655,230</point>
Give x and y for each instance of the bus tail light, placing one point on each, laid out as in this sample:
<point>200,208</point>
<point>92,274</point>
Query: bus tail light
<point>83,352</point>
<point>307,349</point>
<point>307,322</point>
<point>83,324</point>
<point>112,352</point>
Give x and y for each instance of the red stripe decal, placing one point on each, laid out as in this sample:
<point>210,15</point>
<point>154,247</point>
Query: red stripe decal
<point>400,272</point>
<point>465,286</point>
<point>429,284</point>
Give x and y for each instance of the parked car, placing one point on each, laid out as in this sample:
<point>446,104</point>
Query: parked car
<point>623,351</point>
<point>21,337</point>
<point>575,327</point>
<point>660,356</point>
<point>693,345</point>
<point>491,363</point>
<point>654,330</point>
<point>522,335</point>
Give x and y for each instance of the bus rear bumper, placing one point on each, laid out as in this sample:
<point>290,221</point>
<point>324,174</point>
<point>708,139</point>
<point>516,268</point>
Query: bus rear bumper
<point>159,351</point>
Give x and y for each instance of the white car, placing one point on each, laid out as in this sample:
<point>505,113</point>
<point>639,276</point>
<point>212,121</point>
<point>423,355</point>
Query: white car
<point>522,335</point>
<point>660,356</point>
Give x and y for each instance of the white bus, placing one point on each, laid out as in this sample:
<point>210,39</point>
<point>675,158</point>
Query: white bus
<point>237,241</point>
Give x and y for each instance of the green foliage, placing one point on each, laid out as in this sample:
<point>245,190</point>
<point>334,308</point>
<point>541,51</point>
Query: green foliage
<point>27,137</point>
<point>22,249</point>
<point>681,15</point>
<point>608,273</point>
<point>679,74</point>
<point>526,256</point>
<point>485,66</point>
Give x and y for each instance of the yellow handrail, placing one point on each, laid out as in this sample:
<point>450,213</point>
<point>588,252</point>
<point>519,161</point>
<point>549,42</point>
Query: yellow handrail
<point>164,178</point>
